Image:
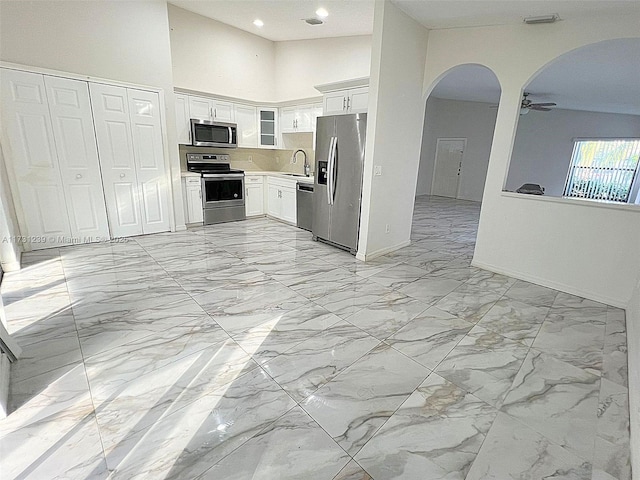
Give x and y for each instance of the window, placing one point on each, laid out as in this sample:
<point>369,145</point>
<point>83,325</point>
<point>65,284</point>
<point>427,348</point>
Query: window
<point>603,169</point>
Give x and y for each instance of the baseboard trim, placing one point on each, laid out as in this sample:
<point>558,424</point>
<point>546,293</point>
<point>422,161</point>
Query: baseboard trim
<point>181,228</point>
<point>614,302</point>
<point>11,266</point>
<point>383,251</point>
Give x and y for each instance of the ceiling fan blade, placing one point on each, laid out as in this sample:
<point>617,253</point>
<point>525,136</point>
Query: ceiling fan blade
<point>543,104</point>
<point>540,109</point>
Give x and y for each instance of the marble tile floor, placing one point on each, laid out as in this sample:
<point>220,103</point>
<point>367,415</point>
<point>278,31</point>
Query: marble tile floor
<point>248,351</point>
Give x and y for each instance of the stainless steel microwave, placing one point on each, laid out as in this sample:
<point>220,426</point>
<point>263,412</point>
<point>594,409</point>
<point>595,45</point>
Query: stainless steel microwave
<point>205,133</point>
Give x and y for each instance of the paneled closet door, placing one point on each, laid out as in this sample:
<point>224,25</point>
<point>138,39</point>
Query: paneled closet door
<point>75,141</point>
<point>25,116</point>
<point>153,182</point>
<point>115,146</point>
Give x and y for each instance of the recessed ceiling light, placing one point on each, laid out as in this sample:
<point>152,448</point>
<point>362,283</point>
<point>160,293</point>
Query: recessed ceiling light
<point>542,19</point>
<point>322,13</point>
<point>258,23</point>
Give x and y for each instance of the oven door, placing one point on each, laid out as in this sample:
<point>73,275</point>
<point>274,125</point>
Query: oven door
<point>222,190</point>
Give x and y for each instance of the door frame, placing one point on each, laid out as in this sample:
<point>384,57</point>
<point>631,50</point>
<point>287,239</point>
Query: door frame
<point>435,161</point>
<point>170,172</point>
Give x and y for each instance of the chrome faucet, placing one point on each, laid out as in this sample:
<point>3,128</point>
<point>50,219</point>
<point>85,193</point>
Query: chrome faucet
<point>307,167</point>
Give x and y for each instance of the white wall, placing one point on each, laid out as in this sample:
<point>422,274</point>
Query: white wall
<point>304,63</point>
<point>396,111</point>
<point>9,247</point>
<point>633,359</point>
<point>209,56</point>
<point>544,144</point>
<point>212,57</point>
<point>457,119</point>
<point>124,41</point>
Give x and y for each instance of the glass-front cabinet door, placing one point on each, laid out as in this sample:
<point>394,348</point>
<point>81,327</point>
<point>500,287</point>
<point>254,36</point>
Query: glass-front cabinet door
<point>268,127</point>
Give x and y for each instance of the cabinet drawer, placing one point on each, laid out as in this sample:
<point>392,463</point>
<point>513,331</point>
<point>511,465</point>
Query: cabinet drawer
<point>253,178</point>
<point>191,181</point>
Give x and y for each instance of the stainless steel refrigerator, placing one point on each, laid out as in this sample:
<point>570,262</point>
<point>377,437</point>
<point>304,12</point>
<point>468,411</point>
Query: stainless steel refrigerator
<point>337,195</point>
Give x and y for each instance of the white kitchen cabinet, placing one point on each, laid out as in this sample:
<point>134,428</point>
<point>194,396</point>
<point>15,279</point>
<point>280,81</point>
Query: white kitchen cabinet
<point>288,207</point>
<point>127,123</point>
<point>183,125</point>
<point>254,195</point>
<point>268,127</point>
<point>355,100</point>
<point>300,118</point>
<point>288,119</point>
<point>247,121</point>
<point>192,193</point>
<point>54,159</point>
<point>281,199</point>
<point>204,108</point>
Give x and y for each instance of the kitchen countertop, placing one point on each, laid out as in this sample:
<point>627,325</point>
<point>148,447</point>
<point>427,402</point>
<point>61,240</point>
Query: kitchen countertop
<point>301,179</point>
<point>189,174</point>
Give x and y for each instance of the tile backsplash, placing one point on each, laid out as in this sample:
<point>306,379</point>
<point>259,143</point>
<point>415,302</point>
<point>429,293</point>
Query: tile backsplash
<point>261,159</point>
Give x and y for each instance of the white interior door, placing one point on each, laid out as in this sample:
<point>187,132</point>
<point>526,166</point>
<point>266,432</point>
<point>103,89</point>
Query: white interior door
<point>115,145</point>
<point>26,120</point>
<point>75,142</point>
<point>448,166</point>
<point>153,181</point>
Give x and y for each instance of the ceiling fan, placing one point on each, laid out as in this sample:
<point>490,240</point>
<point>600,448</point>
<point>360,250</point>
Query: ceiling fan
<point>529,105</point>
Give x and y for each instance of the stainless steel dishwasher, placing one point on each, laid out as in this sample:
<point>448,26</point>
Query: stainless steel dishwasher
<point>304,207</point>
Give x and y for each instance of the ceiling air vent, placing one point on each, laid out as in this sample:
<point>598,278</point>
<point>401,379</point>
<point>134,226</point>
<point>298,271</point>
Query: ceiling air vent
<point>313,21</point>
<point>542,19</point>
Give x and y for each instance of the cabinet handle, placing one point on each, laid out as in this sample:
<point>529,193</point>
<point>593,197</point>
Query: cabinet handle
<point>78,176</point>
<point>189,132</point>
<point>348,103</point>
<point>122,175</point>
<point>215,113</point>
<point>344,103</point>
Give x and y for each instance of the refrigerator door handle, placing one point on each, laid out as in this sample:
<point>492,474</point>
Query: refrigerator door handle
<point>334,169</point>
<point>330,170</point>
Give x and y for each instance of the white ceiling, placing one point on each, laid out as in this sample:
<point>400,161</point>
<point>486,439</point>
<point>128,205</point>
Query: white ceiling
<point>474,13</point>
<point>283,19</point>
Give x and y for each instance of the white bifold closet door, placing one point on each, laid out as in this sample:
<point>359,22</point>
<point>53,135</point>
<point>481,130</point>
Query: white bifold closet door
<point>53,156</point>
<point>127,125</point>
<point>75,141</point>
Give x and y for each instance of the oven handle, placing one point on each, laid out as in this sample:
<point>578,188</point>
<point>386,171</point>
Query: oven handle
<point>217,176</point>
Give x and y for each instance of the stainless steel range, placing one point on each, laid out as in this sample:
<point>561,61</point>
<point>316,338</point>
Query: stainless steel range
<point>222,187</point>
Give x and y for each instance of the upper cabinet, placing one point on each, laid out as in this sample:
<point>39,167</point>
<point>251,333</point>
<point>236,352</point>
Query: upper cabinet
<point>182,119</point>
<point>204,108</point>
<point>344,97</point>
<point>268,125</point>
<point>299,118</point>
<point>355,100</point>
<point>258,126</point>
<point>247,120</point>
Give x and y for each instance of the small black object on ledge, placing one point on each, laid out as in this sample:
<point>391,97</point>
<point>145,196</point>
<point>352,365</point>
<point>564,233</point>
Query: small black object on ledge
<point>531,189</point>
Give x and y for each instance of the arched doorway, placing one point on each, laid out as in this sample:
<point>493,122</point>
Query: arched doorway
<point>458,130</point>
